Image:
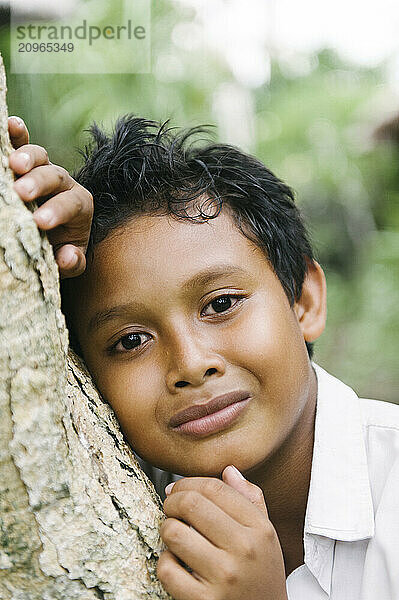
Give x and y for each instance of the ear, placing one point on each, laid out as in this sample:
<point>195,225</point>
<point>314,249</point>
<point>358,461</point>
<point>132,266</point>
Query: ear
<point>311,308</point>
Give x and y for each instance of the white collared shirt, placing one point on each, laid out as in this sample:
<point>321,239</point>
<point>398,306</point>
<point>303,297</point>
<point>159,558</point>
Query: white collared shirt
<point>351,532</point>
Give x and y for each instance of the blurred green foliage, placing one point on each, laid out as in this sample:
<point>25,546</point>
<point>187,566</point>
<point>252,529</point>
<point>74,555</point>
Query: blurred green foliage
<point>314,131</point>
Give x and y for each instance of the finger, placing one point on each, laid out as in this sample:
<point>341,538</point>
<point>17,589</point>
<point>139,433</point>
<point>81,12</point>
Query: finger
<point>27,157</point>
<point>71,261</point>
<point>42,181</point>
<point>206,517</point>
<point>180,584</point>
<point>61,209</point>
<point>192,548</point>
<point>224,496</point>
<point>18,131</point>
<point>232,476</point>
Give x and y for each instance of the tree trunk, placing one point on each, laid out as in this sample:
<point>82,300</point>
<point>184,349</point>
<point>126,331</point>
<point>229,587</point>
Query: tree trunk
<point>78,517</point>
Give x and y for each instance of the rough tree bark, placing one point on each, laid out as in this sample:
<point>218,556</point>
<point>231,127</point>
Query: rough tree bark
<point>78,517</point>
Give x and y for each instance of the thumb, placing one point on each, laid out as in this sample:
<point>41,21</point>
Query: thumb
<point>232,476</point>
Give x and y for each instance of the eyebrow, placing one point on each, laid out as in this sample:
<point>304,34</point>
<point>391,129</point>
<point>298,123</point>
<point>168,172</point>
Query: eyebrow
<point>198,280</point>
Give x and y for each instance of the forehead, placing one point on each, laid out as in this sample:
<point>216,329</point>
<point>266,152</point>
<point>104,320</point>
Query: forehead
<point>153,254</point>
<point>148,241</point>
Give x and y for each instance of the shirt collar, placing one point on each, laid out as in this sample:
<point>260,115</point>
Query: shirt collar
<point>339,503</point>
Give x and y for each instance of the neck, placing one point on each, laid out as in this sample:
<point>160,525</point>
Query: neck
<point>285,480</point>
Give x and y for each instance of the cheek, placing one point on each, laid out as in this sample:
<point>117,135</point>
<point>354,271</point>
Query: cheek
<point>269,344</point>
<point>133,394</point>
<point>267,334</point>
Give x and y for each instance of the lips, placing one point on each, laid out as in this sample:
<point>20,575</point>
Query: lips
<point>201,410</point>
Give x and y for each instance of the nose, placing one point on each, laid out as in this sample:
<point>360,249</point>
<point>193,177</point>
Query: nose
<point>191,361</point>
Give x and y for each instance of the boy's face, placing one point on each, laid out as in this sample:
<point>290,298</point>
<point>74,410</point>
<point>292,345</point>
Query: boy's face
<point>180,346</point>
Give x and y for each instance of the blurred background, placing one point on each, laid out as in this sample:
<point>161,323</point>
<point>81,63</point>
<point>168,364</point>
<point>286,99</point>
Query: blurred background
<point>312,89</point>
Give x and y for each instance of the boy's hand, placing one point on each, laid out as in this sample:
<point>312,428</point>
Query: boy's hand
<point>225,537</point>
<point>68,211</point>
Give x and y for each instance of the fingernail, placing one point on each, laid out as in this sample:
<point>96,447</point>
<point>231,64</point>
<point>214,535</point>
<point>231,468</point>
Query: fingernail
<point>24,159</point>
<point>44,215</point>
<point>26,186</point>
<point>74,261</point>
<point>168,488</point>
<point>18,120</point>
<point>238,473</point>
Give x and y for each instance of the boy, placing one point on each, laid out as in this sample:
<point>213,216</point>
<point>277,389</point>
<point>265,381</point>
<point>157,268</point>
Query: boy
<point>197,309</point>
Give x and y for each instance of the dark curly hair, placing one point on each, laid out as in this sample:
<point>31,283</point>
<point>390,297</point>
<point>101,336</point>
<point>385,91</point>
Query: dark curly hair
<point>145,167</point>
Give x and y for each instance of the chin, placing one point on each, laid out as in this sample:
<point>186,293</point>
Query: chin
<point>195,470</point>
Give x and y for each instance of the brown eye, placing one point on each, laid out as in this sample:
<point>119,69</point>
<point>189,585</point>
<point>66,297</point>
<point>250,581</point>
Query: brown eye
<point>221,304</point>
<point>130,341</point>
